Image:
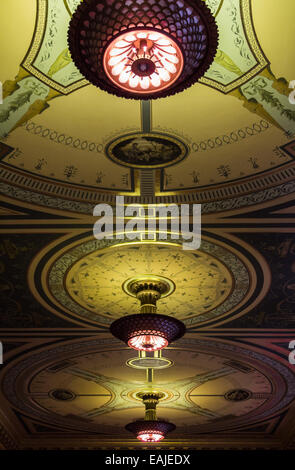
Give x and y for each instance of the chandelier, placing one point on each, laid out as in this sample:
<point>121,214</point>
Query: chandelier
<point>150,429</point>
<point>148,331</point>
<point>143,49</point>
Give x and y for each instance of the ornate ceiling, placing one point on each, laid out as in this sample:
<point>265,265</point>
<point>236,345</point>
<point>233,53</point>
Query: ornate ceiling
<point>227,143</point>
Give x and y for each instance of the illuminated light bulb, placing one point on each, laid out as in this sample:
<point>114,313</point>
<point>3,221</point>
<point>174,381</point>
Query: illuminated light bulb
<point>133,82</point>
<point>114,60</point>
<point>168,66</point>
<point>163,42</point>
<point>118,68</point>
<point>121,44</point>
<point>147,343</point>
<point>154,36</point>
<point>164,74</point>
<point>115,51</point>
<point>155,80</point>
<point>161,54</point>
<point>142,35</point>
<point>150,436</point>
<point>130,38</point>
<point>172,58</point>
<point>169,49</point>
<point>124,76</point>
<point>145,83</point>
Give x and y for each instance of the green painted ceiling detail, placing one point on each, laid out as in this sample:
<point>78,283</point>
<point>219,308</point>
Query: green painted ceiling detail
<point>71,5</point>
<point>275,103</point>
<point>28,100</point>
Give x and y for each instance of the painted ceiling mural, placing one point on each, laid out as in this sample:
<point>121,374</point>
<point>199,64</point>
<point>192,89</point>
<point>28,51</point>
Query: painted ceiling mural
<point>228,143</point>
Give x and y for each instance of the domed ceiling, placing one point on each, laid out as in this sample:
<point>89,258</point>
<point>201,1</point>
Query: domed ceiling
<point>227,142</point>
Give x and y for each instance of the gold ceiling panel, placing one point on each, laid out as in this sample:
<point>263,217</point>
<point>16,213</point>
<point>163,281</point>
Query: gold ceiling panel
<point>95,281</point>
<point>83,279</point>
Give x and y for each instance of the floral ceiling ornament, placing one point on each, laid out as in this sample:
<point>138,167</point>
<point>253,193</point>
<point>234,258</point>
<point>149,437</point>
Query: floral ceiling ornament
<point>143,49</point>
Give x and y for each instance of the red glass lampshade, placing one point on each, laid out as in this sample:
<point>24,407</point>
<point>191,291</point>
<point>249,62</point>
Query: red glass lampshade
<point>143,61</point>
<point>143,49</point>
<point>148,342</point>
<point>152,436</point>
<point>147,331</point>
<point>150,431</point>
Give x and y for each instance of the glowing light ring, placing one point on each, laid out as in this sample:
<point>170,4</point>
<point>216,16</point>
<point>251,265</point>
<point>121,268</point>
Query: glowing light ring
<point>147,343</point>
<point>146,48</point>
<point>150,436</point>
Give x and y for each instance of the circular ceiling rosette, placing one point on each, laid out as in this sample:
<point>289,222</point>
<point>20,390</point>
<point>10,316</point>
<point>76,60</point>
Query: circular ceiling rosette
<point>143,49</point>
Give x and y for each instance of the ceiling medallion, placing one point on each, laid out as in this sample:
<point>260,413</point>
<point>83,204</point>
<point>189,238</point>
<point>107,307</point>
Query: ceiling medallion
<point>148,331</point>
<point>151,150</point>
<point>150,429</point>
<point>143,49</point>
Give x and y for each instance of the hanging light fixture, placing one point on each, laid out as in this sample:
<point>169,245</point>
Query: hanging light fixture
<point>143,49</point>
<point>150,429</point>
<point>148,331</point>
